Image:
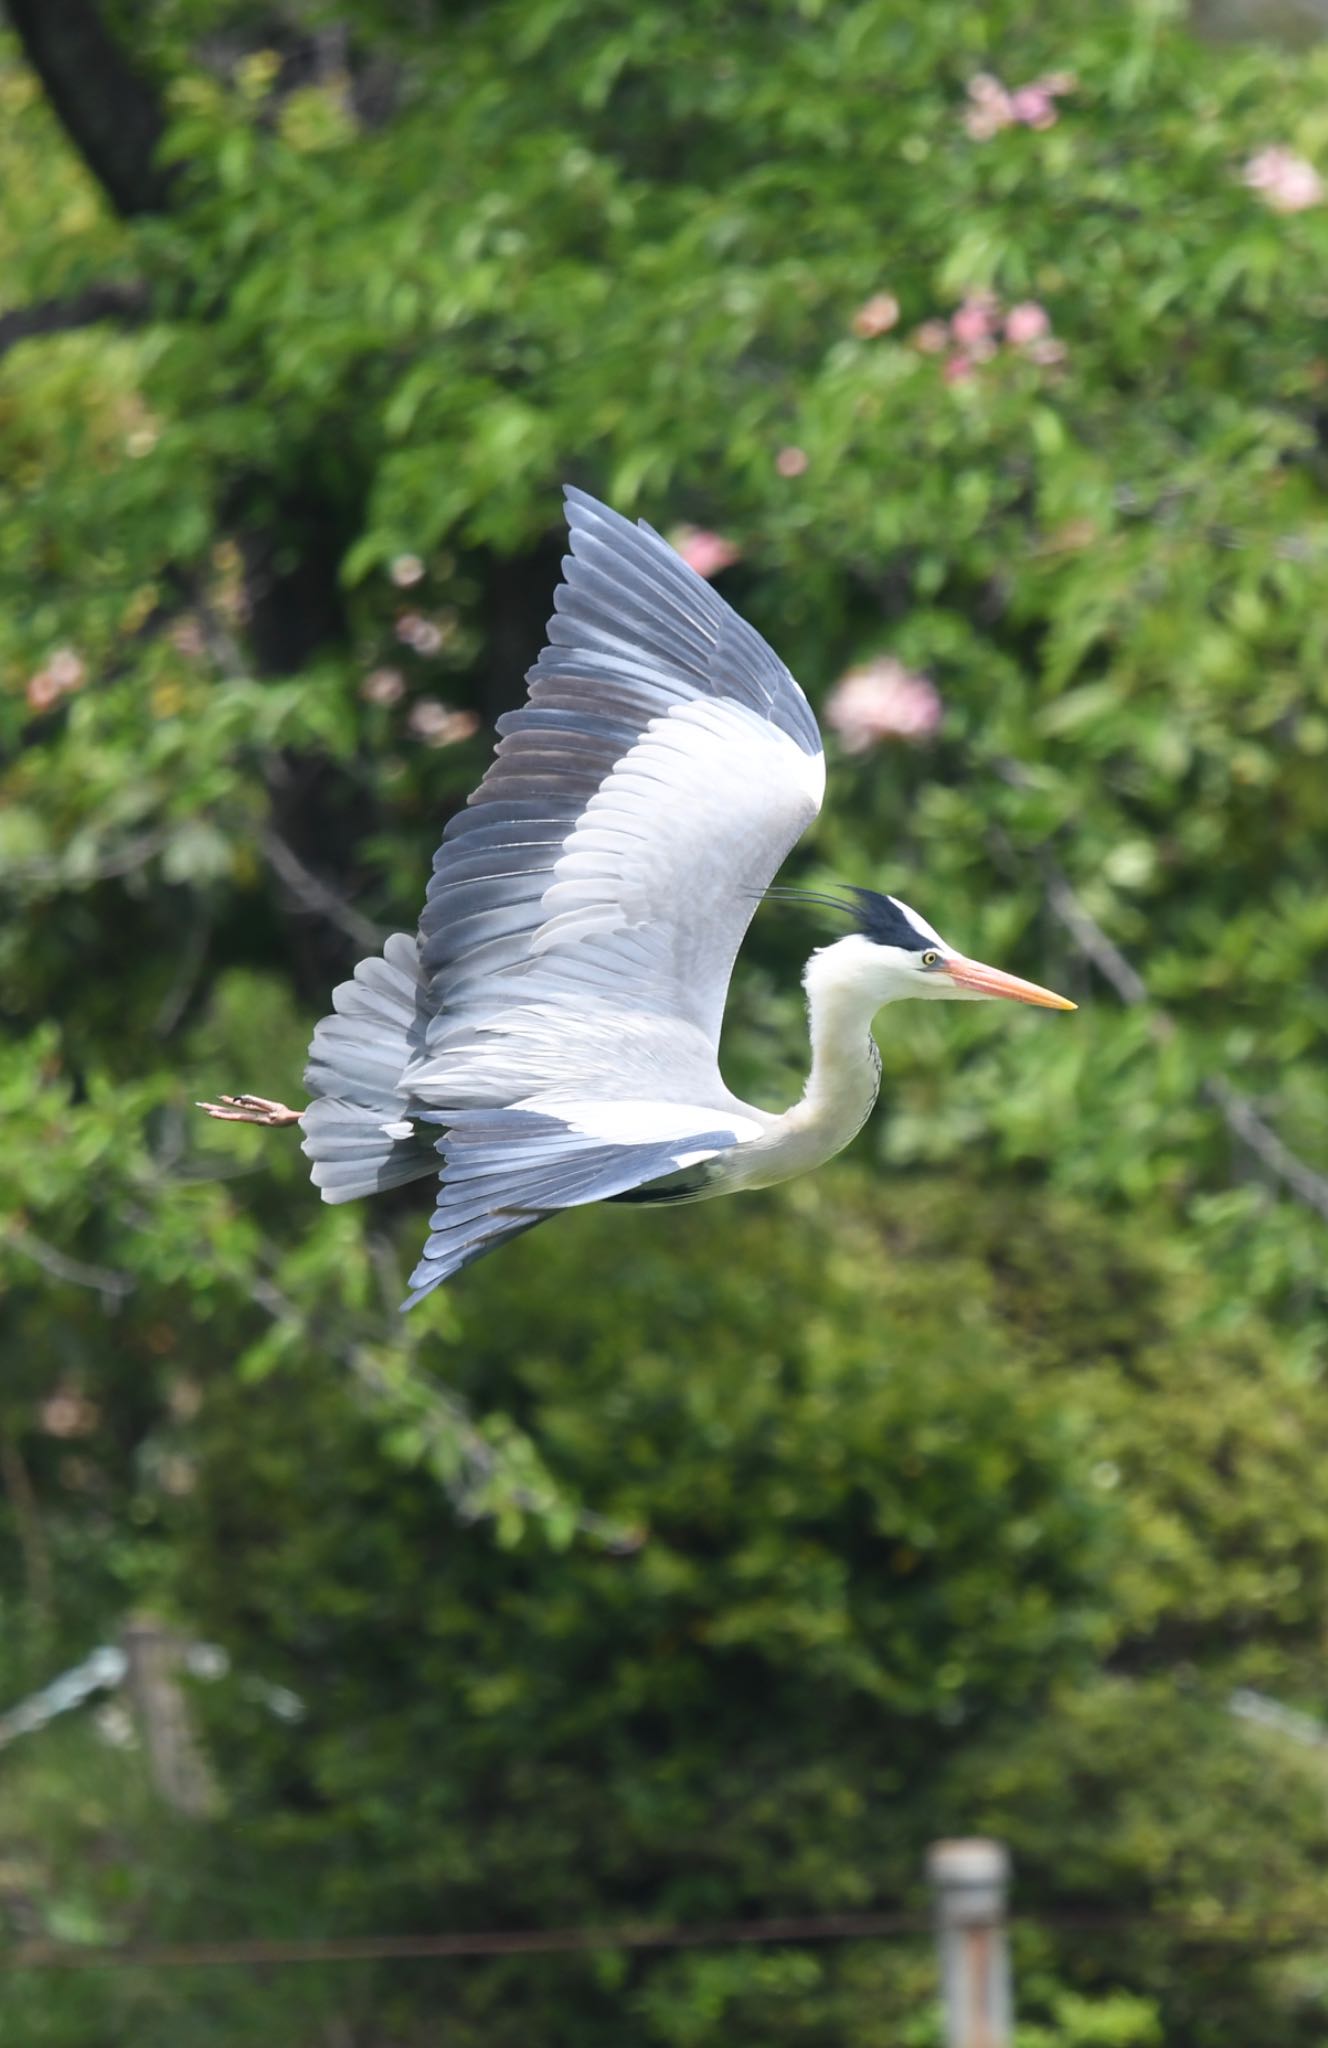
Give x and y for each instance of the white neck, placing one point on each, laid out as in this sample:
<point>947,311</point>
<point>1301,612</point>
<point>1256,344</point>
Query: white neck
<point>844,992</point>
<point>843,996</point>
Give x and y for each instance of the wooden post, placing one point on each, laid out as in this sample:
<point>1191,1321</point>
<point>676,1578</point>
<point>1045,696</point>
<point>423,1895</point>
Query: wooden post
<point>179,1771</point>
<point>969,1881</point>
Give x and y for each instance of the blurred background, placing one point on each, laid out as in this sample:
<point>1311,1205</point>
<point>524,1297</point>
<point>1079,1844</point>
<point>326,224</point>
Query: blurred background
<point>700,1566</point>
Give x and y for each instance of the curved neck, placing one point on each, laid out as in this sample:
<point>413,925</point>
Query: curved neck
<point>843,995</point>
<point>846,1067</point>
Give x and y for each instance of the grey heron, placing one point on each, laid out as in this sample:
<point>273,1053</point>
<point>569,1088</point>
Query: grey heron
<point>550,1035</point>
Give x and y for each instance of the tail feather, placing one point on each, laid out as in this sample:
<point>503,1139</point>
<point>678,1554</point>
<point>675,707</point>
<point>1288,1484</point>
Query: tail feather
<point>358,1130</point>
<point>504,1170</point>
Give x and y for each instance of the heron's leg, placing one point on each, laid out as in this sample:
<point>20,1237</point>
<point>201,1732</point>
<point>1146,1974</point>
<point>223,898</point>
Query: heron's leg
<point>250,1109</point>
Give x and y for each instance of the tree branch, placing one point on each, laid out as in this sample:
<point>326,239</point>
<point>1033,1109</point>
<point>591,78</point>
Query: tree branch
<point>315,894</point>
<point>1245,1123</point>
<point>1094,944</point>
<point>126,303</point>
<point>112,1286</point>
<point>1236,1109</point>
<point>465,1463</point>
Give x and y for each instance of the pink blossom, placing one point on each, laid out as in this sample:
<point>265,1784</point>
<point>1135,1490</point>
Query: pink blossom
<point>877,315</point>
<point>383,686</point>
<point>972,326</point>
<point>984,122</point>
<point>990,108</point>
<point>932,338</point>
<point>1046,352</point>
<point>882,700</point>
<point>42,692</point>
<point>438,725</point>
<point>1286,182</point>
<point>419,633</point>
<point>791,461</point>
<point>704,551</point>
<point>66,668</point>
<point>1026,322</point>
<point>67,1412</point>
<point>64,672</point>
<point>405,570</point>
<point>1034,106</point>
<point>986,90</point>
<point>187,638</point>
<point>958,369</point>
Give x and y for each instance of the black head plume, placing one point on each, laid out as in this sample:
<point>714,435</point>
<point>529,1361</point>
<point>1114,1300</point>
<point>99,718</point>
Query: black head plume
<point>879,918</point>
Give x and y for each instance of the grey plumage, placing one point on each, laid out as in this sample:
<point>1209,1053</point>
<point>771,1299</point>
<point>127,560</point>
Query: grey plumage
<point>357,1130</point>
<point>503,1172</point>
<point>552,1031</point>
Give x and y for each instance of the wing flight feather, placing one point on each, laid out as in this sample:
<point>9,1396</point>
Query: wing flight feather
<point>587,906</point>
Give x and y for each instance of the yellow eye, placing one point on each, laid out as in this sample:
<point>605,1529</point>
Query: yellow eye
<point>931,959</point>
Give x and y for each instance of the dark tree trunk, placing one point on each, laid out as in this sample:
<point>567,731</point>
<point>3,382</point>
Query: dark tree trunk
<point>292,559</point>
<point>110,111</point>
<point>518,598</point>
<point>114,118</point>
<point>291,537</point>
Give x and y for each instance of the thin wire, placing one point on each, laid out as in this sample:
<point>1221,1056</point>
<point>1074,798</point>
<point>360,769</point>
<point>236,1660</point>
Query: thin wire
<point>1230,1931</point>
<point>494,1942</point>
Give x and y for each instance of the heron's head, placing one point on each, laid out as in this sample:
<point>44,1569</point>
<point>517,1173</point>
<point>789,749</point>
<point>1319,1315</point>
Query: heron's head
<point>895,953</point>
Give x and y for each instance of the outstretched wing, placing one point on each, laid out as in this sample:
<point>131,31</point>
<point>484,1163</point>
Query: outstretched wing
<point>587,906</point>
<point>504,1170</point>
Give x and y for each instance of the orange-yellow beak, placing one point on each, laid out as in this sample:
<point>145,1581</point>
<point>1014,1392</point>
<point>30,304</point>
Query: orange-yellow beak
<point>971,975</point>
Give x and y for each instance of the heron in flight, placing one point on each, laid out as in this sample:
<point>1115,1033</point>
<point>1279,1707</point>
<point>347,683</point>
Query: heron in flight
<point>551,1033</point>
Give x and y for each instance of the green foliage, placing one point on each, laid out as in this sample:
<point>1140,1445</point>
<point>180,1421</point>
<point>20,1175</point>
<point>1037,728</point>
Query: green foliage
<point>708,1564</point>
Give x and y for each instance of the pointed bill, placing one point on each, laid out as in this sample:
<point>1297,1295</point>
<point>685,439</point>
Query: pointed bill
<point>978,980</point>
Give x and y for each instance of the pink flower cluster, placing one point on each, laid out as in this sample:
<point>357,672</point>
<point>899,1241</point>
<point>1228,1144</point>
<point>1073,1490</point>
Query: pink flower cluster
<point>882,700</point>
<point>67,1412</point>
<point>704,551</point>
<point>428,719</point>
<point>424,636</point>
<point>383,686</point>
<point>187,638</point>
<point>993,106</point>
<point>63,673</point>
<point>438,725</point>
<point>877,315</point>
<point>1286,182</point>
<point>977,329</point>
